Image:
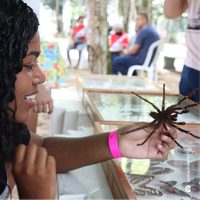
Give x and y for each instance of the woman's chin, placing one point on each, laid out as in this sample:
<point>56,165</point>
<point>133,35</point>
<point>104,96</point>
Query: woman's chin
<point>22,118</point>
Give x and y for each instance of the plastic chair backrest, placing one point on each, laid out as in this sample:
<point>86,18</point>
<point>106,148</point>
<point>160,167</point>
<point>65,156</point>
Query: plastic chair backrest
<point>159,44</point>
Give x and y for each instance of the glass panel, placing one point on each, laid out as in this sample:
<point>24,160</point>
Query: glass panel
<point>128,107</point>
<point>167,178</point>
<point>108,128</point>
<point>125,84</point>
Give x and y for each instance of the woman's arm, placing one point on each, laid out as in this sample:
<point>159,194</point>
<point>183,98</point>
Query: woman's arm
<point>174,8</point>
<point>72,153</point>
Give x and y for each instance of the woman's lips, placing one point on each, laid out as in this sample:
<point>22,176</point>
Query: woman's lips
<point>30,100</point>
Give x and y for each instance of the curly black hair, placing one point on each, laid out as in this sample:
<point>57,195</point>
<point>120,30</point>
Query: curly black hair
<point>18,25</point>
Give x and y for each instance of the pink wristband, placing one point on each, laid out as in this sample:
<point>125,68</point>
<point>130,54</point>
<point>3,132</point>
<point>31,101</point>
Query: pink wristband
<point>113,145</point>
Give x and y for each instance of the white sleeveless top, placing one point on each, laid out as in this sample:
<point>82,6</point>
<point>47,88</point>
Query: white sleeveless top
<point>4,194</point>
<point>192,35</point>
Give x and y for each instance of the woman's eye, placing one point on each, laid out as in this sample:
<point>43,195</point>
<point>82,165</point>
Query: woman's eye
<point>29,66</point>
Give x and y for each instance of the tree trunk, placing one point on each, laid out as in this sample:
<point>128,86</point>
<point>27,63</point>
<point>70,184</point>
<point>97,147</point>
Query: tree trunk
<point>96,36</point>
<point>145,6</point>
<point>117,10</point>
<point>133,11</point>
<point>57,14</point>
<point>126,11</point>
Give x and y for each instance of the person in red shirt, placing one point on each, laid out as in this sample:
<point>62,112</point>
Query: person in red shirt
<point>118,41</point>
<point>77,36</point>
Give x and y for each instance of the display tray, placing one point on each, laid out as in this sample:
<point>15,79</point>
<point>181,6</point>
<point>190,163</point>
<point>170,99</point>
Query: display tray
<point>130,108</point>
<point>123,84</point>
<point>156,178</point>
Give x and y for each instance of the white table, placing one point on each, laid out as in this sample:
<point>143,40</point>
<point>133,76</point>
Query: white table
<point>87,182</point>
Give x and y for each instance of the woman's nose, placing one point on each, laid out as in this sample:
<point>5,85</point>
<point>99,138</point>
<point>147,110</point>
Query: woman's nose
<point>39,76</point>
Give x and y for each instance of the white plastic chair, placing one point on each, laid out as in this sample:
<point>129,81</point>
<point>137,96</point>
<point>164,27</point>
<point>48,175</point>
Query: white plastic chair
<point>151,70</point>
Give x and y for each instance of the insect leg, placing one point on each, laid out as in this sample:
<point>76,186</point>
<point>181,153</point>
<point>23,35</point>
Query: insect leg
<point>163,103</point>
<point>139,128</point>
<point>147,101</point>
<point>191,105</point>
<point>185,97</point>
<point>165,127</point>
<point>182,130</point>
<point>155,128</point>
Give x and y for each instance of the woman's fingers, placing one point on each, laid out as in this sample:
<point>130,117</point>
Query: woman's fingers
<point>168,142</point>
<point>41,157</point>
<point>19,154</point>
<point>163,151</point>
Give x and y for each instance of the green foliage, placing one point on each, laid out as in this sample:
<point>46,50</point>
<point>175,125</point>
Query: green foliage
<point>77,10</point>
<point>52,4</point>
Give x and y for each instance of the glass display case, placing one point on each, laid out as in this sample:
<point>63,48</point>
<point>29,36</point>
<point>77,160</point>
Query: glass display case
<point>109,83</point>
<point>176,177</point>
<point>130,108</point>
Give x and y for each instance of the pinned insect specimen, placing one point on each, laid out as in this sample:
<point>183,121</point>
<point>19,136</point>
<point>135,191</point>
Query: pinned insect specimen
<point>194,184</point>
<point>140,180</point>
<point>194,198</point>
<point>160,170</point>
<point>169,183</point>
<point>157,161</point>
<point>182,165</point>
<point>168,115</point>
<point>174,190</point>
<point>141,188</point>
<point>168,187</point>
<point>141,191</point>
<point>194,181</point>
<point>184,151</point>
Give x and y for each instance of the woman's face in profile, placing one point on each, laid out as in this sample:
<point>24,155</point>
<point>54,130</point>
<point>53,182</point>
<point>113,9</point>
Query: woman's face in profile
<point>27,80</point>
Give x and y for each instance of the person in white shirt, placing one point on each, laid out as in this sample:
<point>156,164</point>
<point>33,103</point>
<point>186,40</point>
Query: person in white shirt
<point>191,71</point>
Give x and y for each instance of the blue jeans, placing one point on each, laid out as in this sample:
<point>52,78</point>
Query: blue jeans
<point>189,82</point>
<point>113,56</point>
<point>77,46</point>
<point>122,63</point>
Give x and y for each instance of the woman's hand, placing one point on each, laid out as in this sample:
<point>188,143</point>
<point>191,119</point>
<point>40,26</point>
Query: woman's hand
<point>34,172</point>
<point>157,146</point>
<point>44,102</point>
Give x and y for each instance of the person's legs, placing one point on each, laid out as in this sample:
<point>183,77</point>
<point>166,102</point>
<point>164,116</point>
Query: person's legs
<point>113,56</point>
<point>189,82</point>
<point>122,63</point>
<point>80,48</point>
<point>68,56</point>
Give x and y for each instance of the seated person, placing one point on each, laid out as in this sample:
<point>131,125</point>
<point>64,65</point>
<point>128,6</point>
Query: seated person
<point>136,56</point>
<point>28,159</point>
<point>118,41</point>
<point>77,36</point>
<point>132,39</point>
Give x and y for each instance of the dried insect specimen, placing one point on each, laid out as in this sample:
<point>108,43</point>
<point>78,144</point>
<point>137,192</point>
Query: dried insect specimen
<point>141,189</point>
<point>169,183</point>
<point>140,180</point>
<point>160,170</point>
<point>173,190</point>
<point>167,116</point>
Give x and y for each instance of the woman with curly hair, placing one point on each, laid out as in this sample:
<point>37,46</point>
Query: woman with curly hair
<point>30,160</point>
